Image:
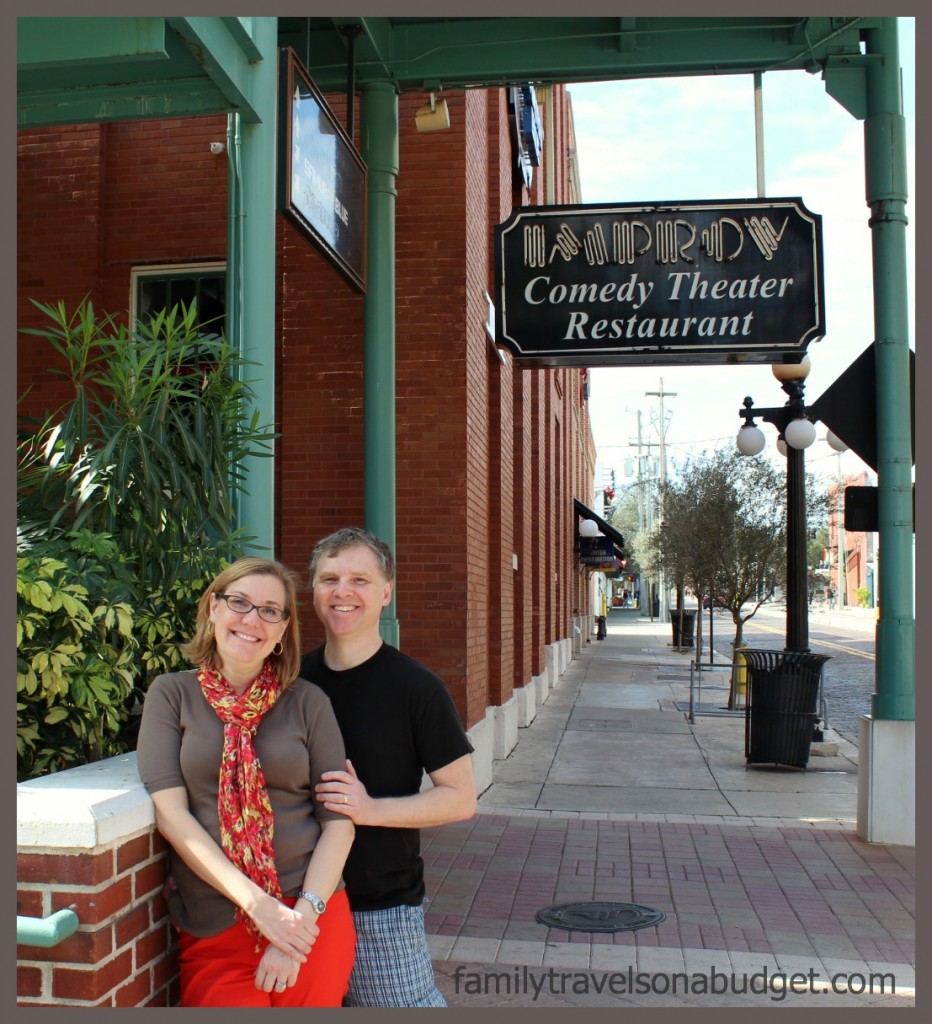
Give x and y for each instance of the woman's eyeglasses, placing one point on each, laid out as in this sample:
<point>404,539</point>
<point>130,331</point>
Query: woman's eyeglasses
<point>243,607</point>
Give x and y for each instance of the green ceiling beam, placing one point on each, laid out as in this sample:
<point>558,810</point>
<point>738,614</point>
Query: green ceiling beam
<point>117,103</point>
<point>373,46</point>
<point>495,51</point>
<point>43,44</point>
<point>243,30</point>
<point>323,42</point>
<point>76,70</point>
<point>221,55</point>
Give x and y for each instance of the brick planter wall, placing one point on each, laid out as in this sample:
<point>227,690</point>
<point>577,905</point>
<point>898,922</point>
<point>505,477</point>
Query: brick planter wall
<point>86,840</point>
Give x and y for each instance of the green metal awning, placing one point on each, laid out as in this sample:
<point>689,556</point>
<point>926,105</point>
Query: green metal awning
<point>77,70</point>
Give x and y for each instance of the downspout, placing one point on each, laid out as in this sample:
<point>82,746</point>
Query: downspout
<point>234,282</point>
<point>234,273</point>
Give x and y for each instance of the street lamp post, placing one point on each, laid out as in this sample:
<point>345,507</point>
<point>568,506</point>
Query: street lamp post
<point>798,432</point>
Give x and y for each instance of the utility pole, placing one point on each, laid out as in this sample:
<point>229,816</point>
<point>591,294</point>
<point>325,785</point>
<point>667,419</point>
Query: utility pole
<point>645,517</point>
<point>640,479</point>
<point>661,394</point>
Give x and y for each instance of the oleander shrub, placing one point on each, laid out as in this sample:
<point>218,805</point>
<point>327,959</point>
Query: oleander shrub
<point>126,508</point>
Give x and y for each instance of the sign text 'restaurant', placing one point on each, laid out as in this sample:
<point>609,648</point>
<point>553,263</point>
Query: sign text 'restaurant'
<point>732,281</point>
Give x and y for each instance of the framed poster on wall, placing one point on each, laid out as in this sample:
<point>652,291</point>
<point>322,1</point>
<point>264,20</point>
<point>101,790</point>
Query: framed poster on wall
<point>322,178</point>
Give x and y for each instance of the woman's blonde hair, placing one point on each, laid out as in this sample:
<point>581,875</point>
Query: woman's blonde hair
<point>202,647</point>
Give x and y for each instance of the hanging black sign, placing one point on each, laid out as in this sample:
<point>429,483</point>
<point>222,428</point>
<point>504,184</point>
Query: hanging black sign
<point>728,281</point>
<point>322,179</point>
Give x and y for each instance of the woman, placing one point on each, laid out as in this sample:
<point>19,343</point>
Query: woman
<point>230,753</point>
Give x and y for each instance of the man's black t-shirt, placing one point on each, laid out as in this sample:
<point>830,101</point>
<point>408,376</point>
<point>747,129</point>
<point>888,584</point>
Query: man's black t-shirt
<point>397,721</point>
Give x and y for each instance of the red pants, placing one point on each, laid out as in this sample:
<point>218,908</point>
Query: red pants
<point>220,971</point>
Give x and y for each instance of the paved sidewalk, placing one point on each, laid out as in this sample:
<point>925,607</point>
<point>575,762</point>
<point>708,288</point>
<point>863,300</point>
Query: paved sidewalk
<point>612,794</point>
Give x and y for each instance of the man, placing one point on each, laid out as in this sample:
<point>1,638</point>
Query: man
<point>398,721</point>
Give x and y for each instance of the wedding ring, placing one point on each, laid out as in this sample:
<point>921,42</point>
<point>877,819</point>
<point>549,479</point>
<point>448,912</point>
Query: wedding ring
<point>345,799</point>
<point>279,986</point>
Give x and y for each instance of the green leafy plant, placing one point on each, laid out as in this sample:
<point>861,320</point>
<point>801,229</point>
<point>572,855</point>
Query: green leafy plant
<point>76,653</point>
<point>149,454</point>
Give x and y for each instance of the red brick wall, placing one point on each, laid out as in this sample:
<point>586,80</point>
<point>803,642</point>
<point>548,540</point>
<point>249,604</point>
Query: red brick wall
<point>503,509</point>
<point>485,451</point>
<point>319,404</point>
<point>562,492</point>
<point>480,527</point>
<point>93,201</point>
<point>526,637</point>
<point>540,517</point>
<point>122,953</point>
<point>166,197</point>
<point>60,180</point>
<point>856,546</point>
<point>436,486</point>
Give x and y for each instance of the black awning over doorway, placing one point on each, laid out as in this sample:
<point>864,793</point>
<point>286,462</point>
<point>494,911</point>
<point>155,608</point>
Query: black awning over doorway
<point>607,529</point>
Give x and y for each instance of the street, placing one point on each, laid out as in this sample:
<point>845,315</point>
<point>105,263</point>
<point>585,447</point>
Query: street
<point>846,636</point>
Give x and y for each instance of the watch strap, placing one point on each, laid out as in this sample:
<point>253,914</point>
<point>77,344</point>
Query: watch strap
<point>315,901</point>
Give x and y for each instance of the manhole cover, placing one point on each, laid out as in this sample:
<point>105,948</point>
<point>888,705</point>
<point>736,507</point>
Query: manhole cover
<point>599,917</point>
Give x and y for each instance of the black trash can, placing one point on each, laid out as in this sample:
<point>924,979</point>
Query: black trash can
<point>686,639</point>
<point>600,629</point>
<point>782,706</point>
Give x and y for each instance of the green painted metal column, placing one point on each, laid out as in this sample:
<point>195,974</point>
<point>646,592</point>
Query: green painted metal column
<point>251,235</point>
<point>379,139</point>
<point>885,148</point>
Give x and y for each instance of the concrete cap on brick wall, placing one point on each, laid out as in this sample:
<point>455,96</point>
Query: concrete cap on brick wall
<point>83,807</point>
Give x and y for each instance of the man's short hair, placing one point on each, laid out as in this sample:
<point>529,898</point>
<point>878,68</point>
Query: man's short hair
<point>350,537</point>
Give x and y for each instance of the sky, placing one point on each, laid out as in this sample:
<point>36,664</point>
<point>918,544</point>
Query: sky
<point>671,139</point>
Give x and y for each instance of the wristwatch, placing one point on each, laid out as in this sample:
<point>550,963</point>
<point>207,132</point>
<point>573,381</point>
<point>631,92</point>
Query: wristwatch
<point>316,902</point>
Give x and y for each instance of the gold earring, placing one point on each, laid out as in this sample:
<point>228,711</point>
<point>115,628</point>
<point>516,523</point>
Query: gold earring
<point>280,648</point>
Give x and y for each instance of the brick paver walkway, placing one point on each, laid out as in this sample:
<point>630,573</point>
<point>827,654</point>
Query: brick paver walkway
<point>808,892</point>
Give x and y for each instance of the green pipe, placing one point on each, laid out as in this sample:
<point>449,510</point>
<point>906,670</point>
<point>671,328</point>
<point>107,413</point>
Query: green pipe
<point>379,139</point>
<point>46,931</point>
<point>885,150</point>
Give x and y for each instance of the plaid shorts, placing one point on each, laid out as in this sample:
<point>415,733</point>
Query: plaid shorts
<point>392,965</point>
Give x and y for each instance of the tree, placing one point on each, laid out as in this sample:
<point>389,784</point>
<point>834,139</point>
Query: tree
<point>623,515</point>
<point>687,543</point>
<point>819,543</point>
<point>724,531</point>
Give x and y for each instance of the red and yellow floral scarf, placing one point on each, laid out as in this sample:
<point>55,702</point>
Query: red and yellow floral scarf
<point>246,825</point>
